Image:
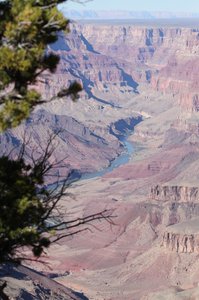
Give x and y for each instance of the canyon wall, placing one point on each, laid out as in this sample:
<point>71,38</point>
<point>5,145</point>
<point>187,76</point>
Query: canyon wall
<point>126,70</point>
<point>116,64</point>
<point>126,55</point>
<point>179,212</point>
<point>151,70</point>
<point>119,63</point>
<point>181,243</point>
<point>175,193</point>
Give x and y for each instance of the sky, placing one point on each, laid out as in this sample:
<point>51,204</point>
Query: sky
<point>138,5</point>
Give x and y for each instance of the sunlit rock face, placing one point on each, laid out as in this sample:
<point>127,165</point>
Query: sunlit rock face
<point>103,56</point>
<point>175,193</point>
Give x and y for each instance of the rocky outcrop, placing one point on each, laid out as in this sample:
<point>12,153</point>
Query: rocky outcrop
<point>179,205</point>
<point>175,193</point>
<point>181,243</point>
<point>179,77</point>
<point>182,237</point>
<point>25,283</point>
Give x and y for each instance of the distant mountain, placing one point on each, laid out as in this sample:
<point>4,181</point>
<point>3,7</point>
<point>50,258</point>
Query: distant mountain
<point>118,14</point>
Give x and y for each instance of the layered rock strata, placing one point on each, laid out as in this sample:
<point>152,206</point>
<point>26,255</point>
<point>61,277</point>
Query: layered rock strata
<point>175,194</point>
<point>127,56</point>
<point>181,243</point>
<point>182,237</point>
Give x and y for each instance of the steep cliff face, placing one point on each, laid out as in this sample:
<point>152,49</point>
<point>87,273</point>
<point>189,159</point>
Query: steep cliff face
<point>81,60</point>
<point>181,243</point>
<point>175,193</point>
<point>182,237</point>
<point>180,78</point>
<point>169,56</point>
<point>178,211</point>
<point>105,56</point>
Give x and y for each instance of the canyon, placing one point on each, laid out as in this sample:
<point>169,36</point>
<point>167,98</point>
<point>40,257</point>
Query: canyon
<point>141,81</point>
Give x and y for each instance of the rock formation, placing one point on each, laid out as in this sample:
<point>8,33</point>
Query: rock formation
<point>175,194</point>
<point>126,55</point>
<point>181,243</point>
<point>182,237</point>
<point>25,283</point>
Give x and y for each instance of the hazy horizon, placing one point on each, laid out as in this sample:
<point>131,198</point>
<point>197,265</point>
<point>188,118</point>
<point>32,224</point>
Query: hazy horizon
<point>176,6</point>
<point>136,16</point>
<point>186,22</point>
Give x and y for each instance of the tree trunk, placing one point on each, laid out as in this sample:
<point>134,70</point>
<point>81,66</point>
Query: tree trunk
<point>3,296</point>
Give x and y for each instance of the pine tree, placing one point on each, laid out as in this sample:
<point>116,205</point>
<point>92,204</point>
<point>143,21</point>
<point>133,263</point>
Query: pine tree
<point>26,28</point>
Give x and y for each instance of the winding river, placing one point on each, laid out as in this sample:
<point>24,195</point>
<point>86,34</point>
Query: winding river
<point>124,129</point>
<point>122,159</point>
